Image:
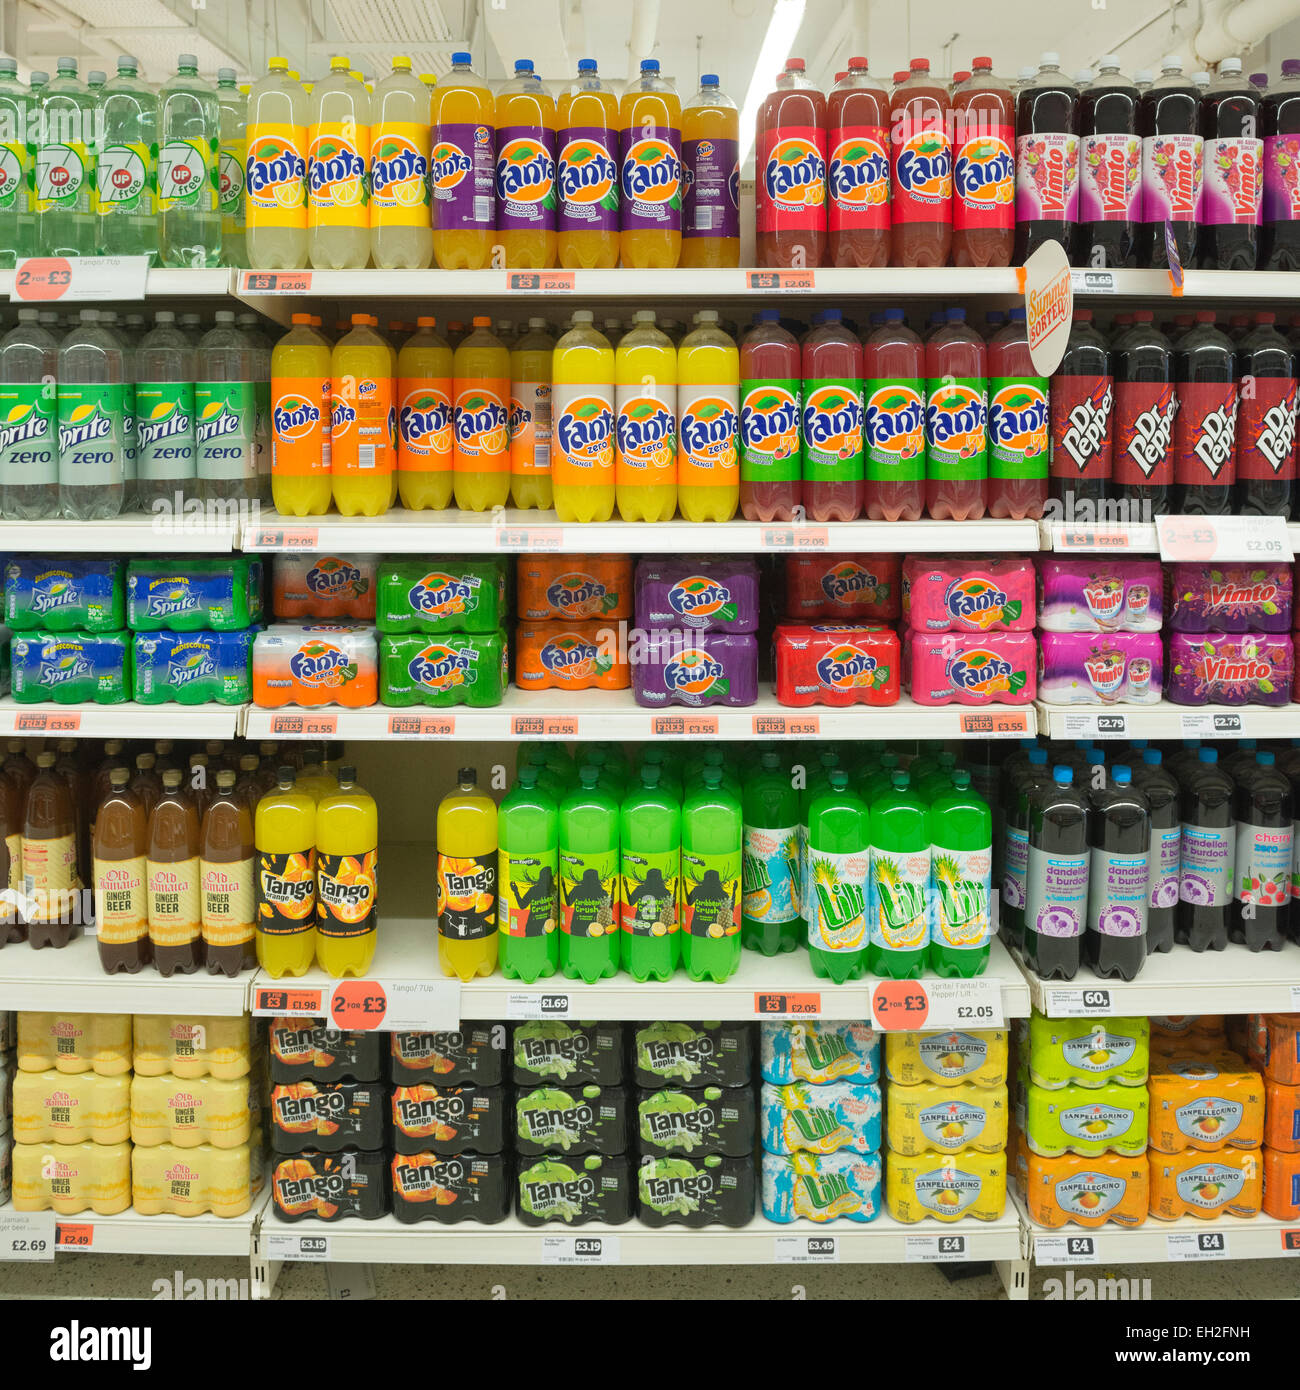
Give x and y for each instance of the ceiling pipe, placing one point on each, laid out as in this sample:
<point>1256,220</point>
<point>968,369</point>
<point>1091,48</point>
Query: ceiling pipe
<point>641,35</point>
<point>1231,27</point>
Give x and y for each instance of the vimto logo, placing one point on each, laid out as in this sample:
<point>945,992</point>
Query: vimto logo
<point>795,174</point>
<point>695,673</point>
<point>859,176</point>
<point>525,172</point>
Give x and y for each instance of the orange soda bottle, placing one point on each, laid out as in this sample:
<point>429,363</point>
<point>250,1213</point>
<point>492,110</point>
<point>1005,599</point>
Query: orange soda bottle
<point>481,449</point>
<point>651,176</point>
<point>586,174</point>
<point>525,124</point>
<point>708,422</point>
<point>582,465</point>
<point>424,419</point>
<point>362,444</point>
<point>284,833</point>
<point>300,421</point>
<point>462,168</point>
<point>711,157</point>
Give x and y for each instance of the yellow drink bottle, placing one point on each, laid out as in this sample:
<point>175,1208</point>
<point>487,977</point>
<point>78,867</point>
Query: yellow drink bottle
<point>424,377</point>
<point>645,391</point>
<point>284,835</point>
<point>338,172</point>
<point>582,464</point>
<point>461,168</point>
<point>525,117</point>
<point>651,176</point>
<point>586,174</point>
<point>400,234</point>
<point>467,879</point>
<point>392,416</point>
<point>347,878</point>
<point>530,418</point>
<point>362,445</point>
<point>708,422</point>
<point>710,155</point>
<point>481,445</point>
<point>300,421</point>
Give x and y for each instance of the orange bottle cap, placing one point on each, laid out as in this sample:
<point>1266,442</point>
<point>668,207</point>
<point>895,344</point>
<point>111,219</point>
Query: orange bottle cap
<point>360,318</point>
<point>426,322</point>
<point>300,318</point>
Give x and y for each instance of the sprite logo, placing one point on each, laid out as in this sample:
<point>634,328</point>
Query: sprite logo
<point>217,421</point>
<point>166,422</point>
<point>86,424</point>
<point>26,422</point>
<point>188,663</point>
<point>61,664</point>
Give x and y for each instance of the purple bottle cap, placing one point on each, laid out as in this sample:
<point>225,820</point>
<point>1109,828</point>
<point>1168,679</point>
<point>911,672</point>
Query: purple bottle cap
<point>1291,67</point>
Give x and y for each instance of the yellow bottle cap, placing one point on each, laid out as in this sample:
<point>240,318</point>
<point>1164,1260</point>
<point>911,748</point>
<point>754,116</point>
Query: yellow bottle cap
<point>429,79</point>
<point>340,64</point>
<point>400,62</point>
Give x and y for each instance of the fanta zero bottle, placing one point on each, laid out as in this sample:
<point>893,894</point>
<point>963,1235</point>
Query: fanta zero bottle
<point>645,386</point>
<point>528,861</point>
<point>651,176</point>
<point>582,466</point>
<point>708,431</point>
<point>481,395</point>
<point>893,396</point>
<point>833,463</point>
<point>301,401</point>
<point>530,417</point>
<point>790,172</point>
<point>956,422</point>
<point>275,202</point>
<point>921,160</point>
<point>1017,425</point>
<point>771,424</point>
<point>710,161</point>
<point>586,173</point>
<point>525,123</point>
<point>363,424</point>
<point>401,237</point>
<point>338,153</point>
<point>462,168</point>
<point>424,427</point>
<point>857,181</point>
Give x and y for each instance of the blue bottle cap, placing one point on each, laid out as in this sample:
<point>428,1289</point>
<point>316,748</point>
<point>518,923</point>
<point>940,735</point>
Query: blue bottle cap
<point>523,65</point>
<point>1265,759</point>
<point>461,60</point>
<point>1017,315</point>
<point>1062,774</point>
<point>1152,756</point>
<point>894,316</point>
<point>710,79</point>
<point>1208,755</point>
<point>1038,755</point>
<point>956,315</point>
<point>1122,775</point>
<point>586,65</point>
<point>649,64</point>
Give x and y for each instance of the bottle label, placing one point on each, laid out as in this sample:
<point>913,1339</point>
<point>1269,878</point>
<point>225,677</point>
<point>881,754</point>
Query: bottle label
<point>770,874</point>
<point>1018,427</point>
<point>1266,428</point>
<point>1056,892</point>
<point>984,174</point>
<point>707,436</point>
<point>646,434</point>
<point>711,894</point>
<point>712,204</point>
<point>1047,177</point>
<point>28,457</point>
<point>1282,178</point>
<point>63,177</point>
<point>835,899</point>
<point>588,882</point>
<point>1171,178</point>
<point>226,901</point>
<point>124,180</point>
<point>770,419</point>
<point>224,429</point>
<point>586,179</point>
<point>1080,410</point>
<point>121,902</point>
<point>231,159</point>
<point>462,177</point>
<point>528,895</point>
<point>1233,190</point>
<point>1211,1186</point>
<point>275,176</point>
<point>956,428</point>
<point>1144,433</point>
<point>49,876</point>
<point>1015,864</point>
<point>899,907</point>
<point>1295,859</point>
<point>584,435</point>
<point>1097,1123</point>
<point>959,905</point>
<point>90,435</point>
<point>790,171</point>
<point>1118,893</point>
<point>165,429</point>
<point>651,179</point>
<point>337,176</point>
<point>14,845</point>
<point>1110,178</point>
<point>424,432</point>
<point>833,426</point>
<point>1098,1051</point>
<point>467,896</point>
<point>174,914</point>
<point>286,893</point>
<point>1263,864</point>
<point>300,426</point>
<point>649,892</point>
<point>858,179</point>
<point>921,159</point>
<point>14,169</point>
<point>363,426</point>
<point>480,427</point>
<point>529,428</point>
<point>1205,878</point>
<point>399,175</point>
<point>347,893</point>
<point>895,430</point>
<point>187,175</point>
<point>1164,855</point>
<point>525,179</point>
<point>1209,1117</point>
<point>1205,431</point>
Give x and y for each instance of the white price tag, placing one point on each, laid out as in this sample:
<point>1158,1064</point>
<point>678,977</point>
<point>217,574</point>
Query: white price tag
<point>397,1006</point>
<point>1066,1250</point>
<point>932,1249</point>
<point>580,1250</point>
<point>1094,724</point>
<point>292,1246</point>
<point>529,540</point>
<point>1093,281</point>
<point>39,279</point>
<point>937,1005</point>
<point>533,1004</point>
<point>1105,538</point>
<point>1295,998</point>
<point>1077,1003</point>
<point>27,1235</point>
<point>1197,1245</point>
<point>349,1283</point>
<point>1202,539</point>
<point>1212,724</point>
<point>805,1250</point>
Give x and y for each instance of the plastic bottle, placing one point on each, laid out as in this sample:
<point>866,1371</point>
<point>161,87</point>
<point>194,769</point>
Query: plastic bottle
<point>857,180</point>
<point>189,212</point>
<point>645,397</point>
<point>984,169</point>
<point>711,167</point>
<point>921,169</point>
<point>708,422</point>
<point>1110,170</point>
<point>166,457</point>
<point>771,424</point>
<point>587,173</point>
<point>12,926</point>
<point>401,234</point>
<point>790,172</point>
<point>363,444</point>
<point>63,165</point>
<point>1056,876</point>
<point>713,835</point>
<point>833,455</point>
<point>275,207</point>
<point>1119,836</point>
<point>1017,425</point>
<point>120,842</point>
<point>301,407</point>
<point>1160,789</point>
<point>961,852</point>
<point>29,452</point>
<point>126,166</point>
<point>1017,783</point>
<point>528,880</point>
<point>652,179</point>
<point>956,422</point>
<point>1207,872</point>
<point>582,406</point>
<point>462,168</point>
<point>650,877</point>
<point>467,879</point>
<point>1143,429</point>
<point>225,420</point>
<point>481,448</point>
<point>771,909</point>
<point>589,865</point>
<point>899,886</point>
<point>1169,124</point>
<point>232,160</point>
<point>894,421</point>
<point>1233,164</point>
<point>424,419</point>
<point>175,920</point>
<point>17,181</point>
<point>1279,127</point>
<point>227,875</point>
<point>525,170</point>
<point>284,834</point>
<point>835,895</point>
<point>49,857</point>
<point>1081,397</point>
<point>92,433</point>
<point>1047,161</point>
<point>1266,419</point>
<point>338,172</point>
<point>530,417</point>
<point>1205,456</point>
<point>1264,809</point>
<point>347,877</point>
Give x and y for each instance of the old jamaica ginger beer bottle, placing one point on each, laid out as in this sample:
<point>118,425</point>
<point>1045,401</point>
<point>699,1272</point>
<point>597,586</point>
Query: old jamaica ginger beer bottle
<point>467,879</point>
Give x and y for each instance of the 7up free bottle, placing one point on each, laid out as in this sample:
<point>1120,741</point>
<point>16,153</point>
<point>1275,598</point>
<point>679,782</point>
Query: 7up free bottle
<point>187,169</point>
<point>231,161</point>
<point>65,224</point>
<point>17,217</point>
<point>92,432</point>
<point>126,202</point>
<point>839,860</point>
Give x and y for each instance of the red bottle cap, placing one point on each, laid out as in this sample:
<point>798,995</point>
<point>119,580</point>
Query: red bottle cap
<point>1083,316</point>
<point>1205,316</point>
<point>920,65</point>
<point>857,62</point>
<point>981,62</point>
<point>840,76</point>
<point>1266,316</point>
<point>1142,315</point>
<point>962,76</point>
<point>794,65</point>
<point>902,77</point>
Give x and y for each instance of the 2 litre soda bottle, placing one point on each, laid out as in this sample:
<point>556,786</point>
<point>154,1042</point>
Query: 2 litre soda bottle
<point>651,176</point>
<point>1110,169</point>
<point>189,213</point>
<point>857,182</point>
<point>956,421</point>
<point>1018,419</point>
<point>338,171</point>
<point>771,920</point>
<point>525,175</point>
<point>961,858</point>
<point>1233,166</point>
<point>1266,421</point>
<point>645,394</point>
<point>1205,426</point>
<point>1160,788</point>
<point>232,160</point>
<point>713,835</point>
<point>710,151</point>
<point>528,829</point>
<point>468,924</point>
<point>29,446</point>
<point>462,168</point>
<point>17,213</point>
<point>650,840</point>
<point>589,867</point>
<point>587,173</point>
<point>1056,876</point>
<point>771,426</point>
<point>1279,128</point>
<point>1142,457</point>
<point>790,172</point>
<point>1119,838</point>
<point>920,159</point>
<point>1047,161</point>
<point>401,236</point>
<point>126,176</point>
<point>984,169</point>
<point>894,397</point>
<point>898,898</point>
<point>275,184</point>
<point>1263,807</point>
<point>1082,394</point>
<point>833,459</point>
<point>1169,126</point>
<point>1208,855</point>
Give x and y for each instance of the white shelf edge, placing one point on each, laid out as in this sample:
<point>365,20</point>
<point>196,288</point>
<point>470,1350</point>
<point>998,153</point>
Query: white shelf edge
<point>126,720</point>
<point>1168,720</point>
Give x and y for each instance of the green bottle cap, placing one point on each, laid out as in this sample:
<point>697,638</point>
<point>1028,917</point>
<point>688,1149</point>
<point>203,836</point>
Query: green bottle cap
<point>901,780</point>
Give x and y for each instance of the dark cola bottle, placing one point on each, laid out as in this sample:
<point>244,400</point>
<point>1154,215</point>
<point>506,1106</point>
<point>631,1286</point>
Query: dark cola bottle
<point>1169,124</point>
<point>1279,128</point>
<point>1205,427</point>
<point>1233,160</point>
<point>1110,170</point>
<point>1047,161</point>
<point>1142,452</point>
<point>1266,465</point>
<point>1081,397</point>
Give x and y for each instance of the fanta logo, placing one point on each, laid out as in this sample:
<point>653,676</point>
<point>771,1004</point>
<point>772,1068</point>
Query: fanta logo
<point>924,166</point>
<point>480,423</point>
<point>698,597</point>
<point>337,172</point>
<point>955,420</point>
<point>294,417</point>
<point>704,148</point>
<point>895,421</point>
<point>859,176</point>
<point>525,171</point>
<point>1018,419</point>
<point>576,595</point>
<point>275,172</point>
<point>569,656</point>
<point>647,432</point>
<point>1226,670</point>
<point>846,666</point>
<point>981,672</point>
<point>585,432</point>
<point>1241,595</point>
<point>694,672</point>
<point>975,601</point>
<point>586,172</point>
<point>769,422</point>
<point>652,172</point>
<point>398,171</point>
<point>315,662</point>
<point>708,432</point>
<point>438,594</point>
<point>25,424</point>
<point>448,165</point>
<point>985,173</point>
<point>849,583</point>
<point>832,421</point>
<point>342,416</point>
<point>438,666</point>
<point>333,578</point>
<point>795,174</point>
<point>425,422</point>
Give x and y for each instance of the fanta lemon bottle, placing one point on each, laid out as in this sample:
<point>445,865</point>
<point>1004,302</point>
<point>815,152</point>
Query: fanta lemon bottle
<point>711,158</point>
<point>400,235</point>
<point>362,447</point>
<point>284,835</point>
<point>338,155</point>
<point>467,879</point>
<point>651,178</point>
<point>530,417</point>
<point>300,421</point>
<point>586,174</point>
<point>462,169</point>
<point>525,115</point>
<point>708,422</point>
<point>582,466</point>
<point>424,419</point>
<point>275,205</point>
<point>645,391</point>
<point>481,448</point>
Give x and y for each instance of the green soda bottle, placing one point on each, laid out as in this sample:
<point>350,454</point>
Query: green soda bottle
<point>961,837</point>
<point>614,767</point>
<point>588,879</point>
<point>549,778</point>
<point>528,859</point>
<point>839,859</point>
<point>713,834</point>
<point>650,868</point>
<point>770,920</point>
<point>875,784</point>
<point>937,782</point>
<point>669,781</point>
<point>900,882</point>
<point>819,780</point>
<point>714,758</point>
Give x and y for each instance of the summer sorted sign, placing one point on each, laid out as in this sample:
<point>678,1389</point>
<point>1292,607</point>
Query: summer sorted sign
<point>1049,305</point>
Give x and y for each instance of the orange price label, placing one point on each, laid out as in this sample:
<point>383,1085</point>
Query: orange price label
<point>275,282</point>
<point>42,277</point>
<point>900,1005</point>
<point>276,1001</point>
<point>990,723</point>
<point>787,725</point>
<point>1291,1242</point>
<point>1186,538</point>
<point>541,281</point>
<point>1086,539</point>
<point>74,1237</point>
<point>544,726</point>
<point>666,725</point>
<point>298,538</point>
<point>304,725</point>
<point>39,723</point>
<point>780,280</point>
<point>773,1005</point>
<point>359,1005</point>
<point>530,540</point>
<point>421,725</point>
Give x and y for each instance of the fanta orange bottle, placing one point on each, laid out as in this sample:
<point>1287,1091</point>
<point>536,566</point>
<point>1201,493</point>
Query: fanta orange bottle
<point>708,422</point>
<point>364,421</point>
<point>530,417</point>
<point>300,421</point>
<point>645,377</point>
<point>582,466</point>
<point>424,419</point>
<point>481,450</point>
<point>586,174</point>
<point>525,116</point>
<point>462,168</point>
<point>650,171</point>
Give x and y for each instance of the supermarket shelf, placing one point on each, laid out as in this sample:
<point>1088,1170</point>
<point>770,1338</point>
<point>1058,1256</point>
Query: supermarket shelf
<point>1166,720</point>
<point>161,284</point>
<point>1115,538</point>
<point>127,720</point>
<point>133,534</point>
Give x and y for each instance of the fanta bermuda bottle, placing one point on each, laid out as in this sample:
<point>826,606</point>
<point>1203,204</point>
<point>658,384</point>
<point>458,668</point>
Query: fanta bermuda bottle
<point>481,447</point>
<point>961,839</point>
<point>582,465</point>
<point>363,426</point>
<point>401,236</point>
<point>713,836</point>
<point>650,841</point>
<point>530,425</point>
<point>284,835</point>
<point>839,861</point>
<point>462,168</point>
<point>189,212</point>
<point>589,864</point>
<point>424,427</point>
<point>651,176</point>
<point>708,428</point>
<point>301,397</point>
<point>528,830</point>
<point>467,879</point>
<point>710,156</point>
<point>275,183</point>
<point>898,900</point>
<point>338,151</point>
<point>770,871</point>
<point>586,173</point>
<point>525,119</point>
<point>645,393</point>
